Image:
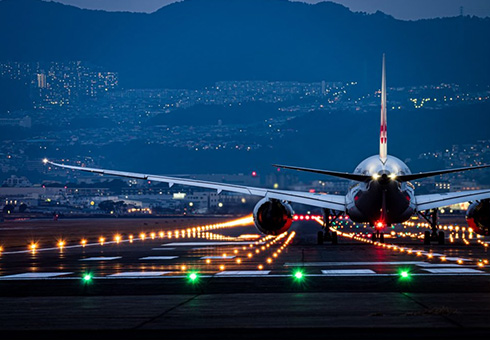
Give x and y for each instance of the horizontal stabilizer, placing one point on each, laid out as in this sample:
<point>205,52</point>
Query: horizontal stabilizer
<point>345,175</point>
<point>412,177</point>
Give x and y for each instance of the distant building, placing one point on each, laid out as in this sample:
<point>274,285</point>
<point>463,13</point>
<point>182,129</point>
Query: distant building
<point>41,80</point>
<point>16,182</point>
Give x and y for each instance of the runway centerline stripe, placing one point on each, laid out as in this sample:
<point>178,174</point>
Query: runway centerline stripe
<point>334,264</point>
<point>348,272</point>
<point>35,275</point>
<point>101,258</point>
<point>159,258</point>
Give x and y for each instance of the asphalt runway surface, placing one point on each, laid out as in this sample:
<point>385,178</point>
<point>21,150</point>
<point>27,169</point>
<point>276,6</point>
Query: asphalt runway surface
<point>212,278</point>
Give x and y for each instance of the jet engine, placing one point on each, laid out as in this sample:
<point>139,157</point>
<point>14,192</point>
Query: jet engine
<point>273,217</point>
<point>478,217</point>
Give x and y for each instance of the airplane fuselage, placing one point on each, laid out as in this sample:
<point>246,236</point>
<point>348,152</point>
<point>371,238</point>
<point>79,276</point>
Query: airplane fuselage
<point>383,200</point>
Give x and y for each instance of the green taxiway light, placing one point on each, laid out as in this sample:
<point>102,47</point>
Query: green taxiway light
<point>299,275</point>
<point>87,278</point>
<point>193,277</point>
<point>404,274</point>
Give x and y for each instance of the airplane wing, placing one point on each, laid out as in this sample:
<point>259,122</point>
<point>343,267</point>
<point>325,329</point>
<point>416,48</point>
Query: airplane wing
<point>426,202</point>
<point>334,202</point>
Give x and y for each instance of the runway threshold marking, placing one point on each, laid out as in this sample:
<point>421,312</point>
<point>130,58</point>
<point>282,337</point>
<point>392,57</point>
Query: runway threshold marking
<point>332,264</point>
<point>101,258</point>
<point>348,272</point>
<point>35,275</point>
<point>159,258</point>
<point>138,274</point>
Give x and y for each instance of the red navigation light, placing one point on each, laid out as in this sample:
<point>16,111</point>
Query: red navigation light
<point>254,173</point>
<point>379,225</point>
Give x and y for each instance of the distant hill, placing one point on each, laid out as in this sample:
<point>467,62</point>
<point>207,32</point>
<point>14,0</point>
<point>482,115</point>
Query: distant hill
<point>197,42</point>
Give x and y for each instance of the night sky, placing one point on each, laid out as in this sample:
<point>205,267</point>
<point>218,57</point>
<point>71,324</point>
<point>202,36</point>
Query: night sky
<point>401,9</point>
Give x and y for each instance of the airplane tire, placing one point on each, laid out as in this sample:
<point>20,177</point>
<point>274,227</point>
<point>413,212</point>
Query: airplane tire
<point>441,237</point>
<point>335,238</point>
<point>373,237</point>
<point>319,238</point>
<point>382,238</point>
<point>427,237</point>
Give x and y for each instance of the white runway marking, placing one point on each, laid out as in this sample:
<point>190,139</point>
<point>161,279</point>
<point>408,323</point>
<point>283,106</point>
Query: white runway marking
<point>454,271</point>
<point>159,258</point>
<point>101,258</point>
<point>203,248</point>
<point>138,274</point>
<point>217,257</point>
<point>203,244</point>
<point>334,264</point>
<point>438,265</point>
<point>163,248</point>
<point>244,273</point>
<point>349,272</point>
<point>34,275</point>
<point>456,259</point>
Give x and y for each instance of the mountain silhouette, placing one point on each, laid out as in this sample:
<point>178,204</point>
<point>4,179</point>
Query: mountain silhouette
<point>198,42</point>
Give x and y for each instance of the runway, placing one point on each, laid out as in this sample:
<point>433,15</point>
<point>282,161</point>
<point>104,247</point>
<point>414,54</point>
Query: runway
<point>226,276</point>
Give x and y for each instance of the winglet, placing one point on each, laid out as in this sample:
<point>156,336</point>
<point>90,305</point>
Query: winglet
<point>383,135</point>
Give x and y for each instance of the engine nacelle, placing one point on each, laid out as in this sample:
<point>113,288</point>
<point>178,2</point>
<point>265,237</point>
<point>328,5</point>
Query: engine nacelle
<point>273,217</point>
<point>478,217</point>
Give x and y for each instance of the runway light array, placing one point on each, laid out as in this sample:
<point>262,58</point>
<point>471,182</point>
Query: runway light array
<point>429,255</point>
<point>194,232</point>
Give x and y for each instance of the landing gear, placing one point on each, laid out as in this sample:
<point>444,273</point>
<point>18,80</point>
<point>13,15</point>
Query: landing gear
<point>433,235</point>
<point>325,235</point>
<point>377,236</point>
<point>319,238</point>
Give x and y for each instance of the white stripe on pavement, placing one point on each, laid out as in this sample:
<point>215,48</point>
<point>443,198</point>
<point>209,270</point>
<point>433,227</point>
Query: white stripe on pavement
<point>159,258</point>
<point>348,272</point>
<point>34,275</point>
<point>101,258</point>
<point>138,274</point>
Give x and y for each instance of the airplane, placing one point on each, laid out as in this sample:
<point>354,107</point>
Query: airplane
<point>381,195</point>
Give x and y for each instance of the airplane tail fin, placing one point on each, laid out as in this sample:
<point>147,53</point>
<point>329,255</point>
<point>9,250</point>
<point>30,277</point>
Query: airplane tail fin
<point>383,135</point>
